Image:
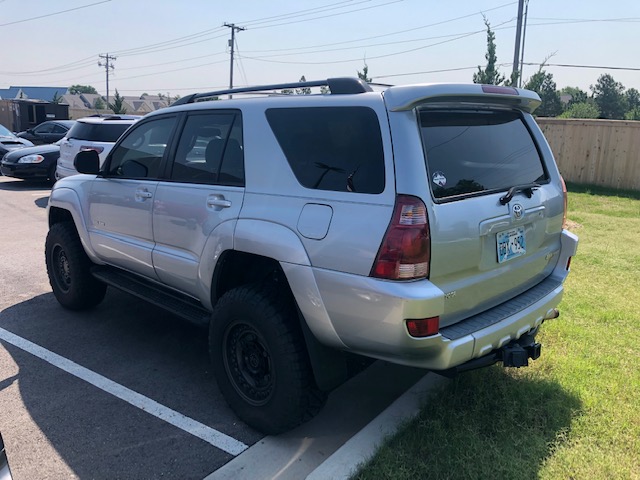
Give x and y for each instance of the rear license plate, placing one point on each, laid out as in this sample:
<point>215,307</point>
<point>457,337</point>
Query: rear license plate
<point>510,244</point>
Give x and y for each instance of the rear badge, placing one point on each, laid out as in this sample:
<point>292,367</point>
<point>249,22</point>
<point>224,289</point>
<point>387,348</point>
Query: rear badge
<point>517,211</point>
<point>439,179</point>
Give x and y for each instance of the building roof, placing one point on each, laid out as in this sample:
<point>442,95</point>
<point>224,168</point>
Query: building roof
<point>33,93</point>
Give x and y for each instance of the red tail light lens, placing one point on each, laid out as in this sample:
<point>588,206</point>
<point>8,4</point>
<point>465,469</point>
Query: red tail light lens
<point>423,327</point>
<point>405,252</point>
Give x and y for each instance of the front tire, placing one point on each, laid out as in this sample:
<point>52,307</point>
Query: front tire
<point>260,359</point>
<point>69,267</point>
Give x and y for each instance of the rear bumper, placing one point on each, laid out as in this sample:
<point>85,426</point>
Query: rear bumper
<point>368,316</point>
<point>62,171</point>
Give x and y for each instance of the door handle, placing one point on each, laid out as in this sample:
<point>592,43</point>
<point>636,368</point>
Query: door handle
<point>218,201</point>
<point>143,194</point>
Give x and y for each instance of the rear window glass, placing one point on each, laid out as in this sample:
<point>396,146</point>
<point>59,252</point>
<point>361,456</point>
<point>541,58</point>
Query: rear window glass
<point>476,151</point>
<point>97,132</point>
<point>331,148</point>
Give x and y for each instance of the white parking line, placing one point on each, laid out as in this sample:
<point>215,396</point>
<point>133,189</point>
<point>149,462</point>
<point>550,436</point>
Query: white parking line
<point>208,434</point>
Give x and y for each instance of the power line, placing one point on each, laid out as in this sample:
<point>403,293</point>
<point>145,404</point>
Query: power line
<point>287,15</point>
<point>600,67</point>
<point>108,66</point>
<point>52,14</point>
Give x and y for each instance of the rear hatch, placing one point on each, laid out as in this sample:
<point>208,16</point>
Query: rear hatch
<point>486,246</point>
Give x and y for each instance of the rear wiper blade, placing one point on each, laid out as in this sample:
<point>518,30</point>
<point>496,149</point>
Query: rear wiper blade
<point>526,188</point>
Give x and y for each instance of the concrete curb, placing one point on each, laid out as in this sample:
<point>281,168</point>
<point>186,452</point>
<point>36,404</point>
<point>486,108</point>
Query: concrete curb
<point>360,448</point>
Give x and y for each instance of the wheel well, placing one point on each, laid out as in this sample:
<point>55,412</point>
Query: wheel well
<point>57,215</point>
<point>240,268</point>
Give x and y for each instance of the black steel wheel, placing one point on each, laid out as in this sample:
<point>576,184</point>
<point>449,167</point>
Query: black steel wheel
<point>260,359</point>
<point>69,267</point>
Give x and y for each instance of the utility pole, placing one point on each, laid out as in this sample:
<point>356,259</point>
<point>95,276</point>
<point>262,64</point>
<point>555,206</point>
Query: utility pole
<point>232,43</point>
<point>524,36</point>
<point>108,66</point>
<point>516,54</point>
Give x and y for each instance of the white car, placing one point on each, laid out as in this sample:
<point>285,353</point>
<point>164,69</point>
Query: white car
<point>97,133</point>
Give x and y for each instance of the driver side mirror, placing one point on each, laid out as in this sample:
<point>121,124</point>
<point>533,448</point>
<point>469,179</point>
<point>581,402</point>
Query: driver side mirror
<point>87,161</point>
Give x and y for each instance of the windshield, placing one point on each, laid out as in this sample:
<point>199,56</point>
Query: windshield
<point>471,151</point>
<point>4,132</point>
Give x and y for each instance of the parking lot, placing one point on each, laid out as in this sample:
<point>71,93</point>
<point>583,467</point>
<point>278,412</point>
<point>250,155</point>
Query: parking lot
<point>125,390</point>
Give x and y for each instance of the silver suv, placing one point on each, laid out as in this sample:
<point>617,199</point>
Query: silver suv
<point>98,132</point>
<point>422,225</point>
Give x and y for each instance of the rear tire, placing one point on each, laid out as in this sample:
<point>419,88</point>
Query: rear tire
<point>260,359</point>
<point>69,269</point>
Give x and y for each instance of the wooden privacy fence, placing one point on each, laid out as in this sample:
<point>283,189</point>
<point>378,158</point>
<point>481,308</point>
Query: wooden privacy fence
<point>596,152</point>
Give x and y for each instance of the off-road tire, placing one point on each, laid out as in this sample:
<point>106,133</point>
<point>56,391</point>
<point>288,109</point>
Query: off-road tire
<point>260,359</point>
<point>69,267</point>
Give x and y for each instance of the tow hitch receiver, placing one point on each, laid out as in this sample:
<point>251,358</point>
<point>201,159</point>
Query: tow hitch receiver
<point>515,355</point>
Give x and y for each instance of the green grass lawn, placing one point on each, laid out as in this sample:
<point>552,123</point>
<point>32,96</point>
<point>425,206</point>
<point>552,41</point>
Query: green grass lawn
<point>575,412</point>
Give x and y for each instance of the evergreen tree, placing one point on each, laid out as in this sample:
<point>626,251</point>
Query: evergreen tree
<point>118,104</point>
<point>609,97</point>
<point>489,75</point>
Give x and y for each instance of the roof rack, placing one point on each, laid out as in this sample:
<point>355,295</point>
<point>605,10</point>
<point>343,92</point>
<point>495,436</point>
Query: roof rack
<point>337,86</point>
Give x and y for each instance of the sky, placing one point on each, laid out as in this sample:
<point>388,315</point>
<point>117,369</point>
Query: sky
<point>178,48</point>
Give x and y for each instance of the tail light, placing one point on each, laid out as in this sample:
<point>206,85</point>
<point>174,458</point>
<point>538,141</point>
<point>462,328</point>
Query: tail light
<point>564,197</point>
<point>84,148</point>
<point>405,252</point>
<point>423,327</point>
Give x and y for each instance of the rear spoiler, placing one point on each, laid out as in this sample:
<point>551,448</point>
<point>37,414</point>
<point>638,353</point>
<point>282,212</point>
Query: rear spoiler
<point>408,97</point>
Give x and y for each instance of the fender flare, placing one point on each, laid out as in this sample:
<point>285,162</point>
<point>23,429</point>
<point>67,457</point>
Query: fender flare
<point>67,199</point>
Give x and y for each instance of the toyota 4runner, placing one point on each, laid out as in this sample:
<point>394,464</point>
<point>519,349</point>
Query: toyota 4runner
<point>422,225</point>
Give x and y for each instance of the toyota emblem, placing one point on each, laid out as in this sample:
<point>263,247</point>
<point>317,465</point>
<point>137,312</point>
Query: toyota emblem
<point>517,211</point>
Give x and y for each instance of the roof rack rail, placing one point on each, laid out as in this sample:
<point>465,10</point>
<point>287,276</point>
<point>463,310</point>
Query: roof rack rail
<point>337,86</point>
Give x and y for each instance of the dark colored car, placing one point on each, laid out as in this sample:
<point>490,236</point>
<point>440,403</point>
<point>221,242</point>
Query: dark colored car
<point>47,132</point>
<point>8,141</point>
<point>32,163</point>
<point>5,472</point>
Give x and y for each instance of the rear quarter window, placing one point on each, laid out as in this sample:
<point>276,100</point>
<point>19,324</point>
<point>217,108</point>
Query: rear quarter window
<point>97,132</point>
<point>468,152</point>
<point>331,148</point>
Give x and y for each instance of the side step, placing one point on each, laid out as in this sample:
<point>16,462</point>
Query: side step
<point>174,302</point>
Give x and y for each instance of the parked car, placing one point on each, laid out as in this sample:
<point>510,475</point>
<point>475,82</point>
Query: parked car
<point>422,225</point>
<point>8,141</point>
<point>97,133</point>
<point>32,163</point>
<point>5,471</point>
<point>47,132</point>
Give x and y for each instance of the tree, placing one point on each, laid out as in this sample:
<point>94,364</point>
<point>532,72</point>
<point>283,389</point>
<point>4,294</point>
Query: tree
<point>118,104</point>
<point>609,97</point>
<point>542,83</point>
<point>76,89</point>
<point>490,74</point>
<point>303,90</point>
<point>577,95</point>
<point>632,97</point>
<point>364,74</point>
<point>99,104</point>
<point>633,114</point>
<point>581,110</point>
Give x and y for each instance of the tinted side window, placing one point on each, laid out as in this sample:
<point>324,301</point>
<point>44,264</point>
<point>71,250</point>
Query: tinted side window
<point>140,153</point>
<point>474,151</point>
<point>210,150</point>
<point>98,132</point>
<point>332,148</point>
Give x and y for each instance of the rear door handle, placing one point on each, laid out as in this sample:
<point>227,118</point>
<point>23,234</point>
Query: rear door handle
<point>143,194</point>
<point>218,201</point>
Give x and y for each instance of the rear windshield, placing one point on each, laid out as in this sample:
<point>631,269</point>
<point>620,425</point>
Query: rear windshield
<point>97,132</point>
<point>476,151</point>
